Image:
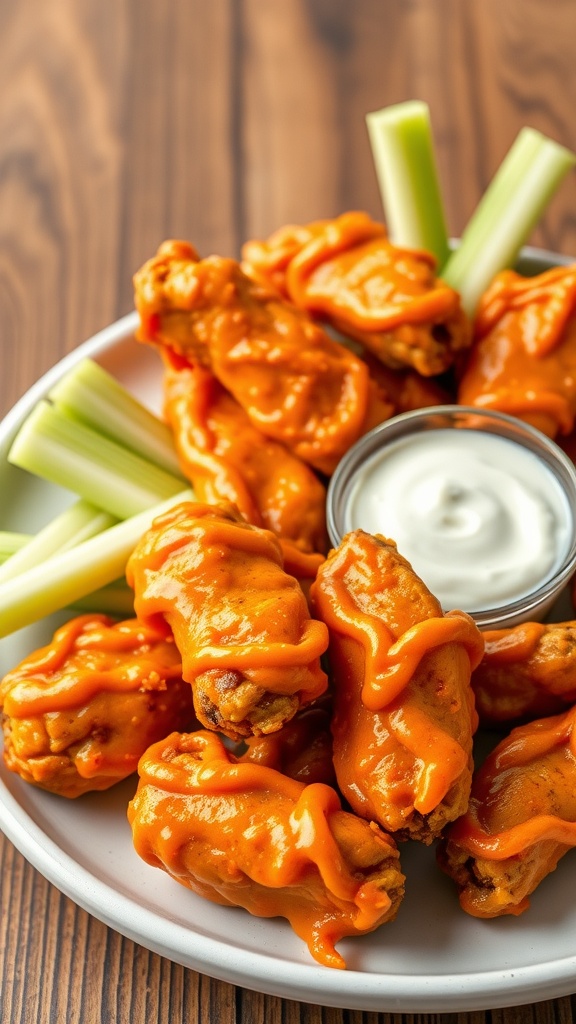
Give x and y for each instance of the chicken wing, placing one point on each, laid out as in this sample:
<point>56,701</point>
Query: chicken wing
<point>241,623</point>
<point>523,357</point>
<point>79,713</point>
<point>297,385</point>
<point>302,749</point>
<point>527,671</point>
<point>387,298</point>
<point>407,390</point>
<point>228,459</point>
<point>520,821</point>
<point>244,835</point>
<point>403,705</point>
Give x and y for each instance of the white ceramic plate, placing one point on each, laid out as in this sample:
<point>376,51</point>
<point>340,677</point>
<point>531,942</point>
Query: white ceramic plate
<point>433,958</point>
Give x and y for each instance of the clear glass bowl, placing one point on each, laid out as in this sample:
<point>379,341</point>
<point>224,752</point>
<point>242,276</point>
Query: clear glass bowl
<point>531,606</point>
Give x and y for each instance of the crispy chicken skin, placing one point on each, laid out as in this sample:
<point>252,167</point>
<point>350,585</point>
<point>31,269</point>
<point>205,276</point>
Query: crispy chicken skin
<point>228,459</point>
<point>527,671</point>
<point>302,749</point>
<point>303,565</point>
<point>240,621</point>
<point>245,835</point>
<point>520,821</point>
<point>389,299</point>
<point>296,384</point>
<point>403,705</point>
<point>407,390</point>
<point>79,713</point>
<point>523,357</point>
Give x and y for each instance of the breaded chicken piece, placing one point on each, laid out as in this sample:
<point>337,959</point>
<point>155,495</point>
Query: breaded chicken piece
<point>520,821</point>
<point>406,389</point>
<point>302,749</point>
<point>403,705</point>
<point>228,459</point>
<point>296,384</point>
<point>347,272</point>
<point>245,835</point>
<point>79,713</point>
<point>527,671</point>
<point>523,356</point>
<point>249,647</point>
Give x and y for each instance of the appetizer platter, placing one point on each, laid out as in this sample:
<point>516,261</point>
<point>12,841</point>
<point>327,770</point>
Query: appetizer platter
<point>196,677</point>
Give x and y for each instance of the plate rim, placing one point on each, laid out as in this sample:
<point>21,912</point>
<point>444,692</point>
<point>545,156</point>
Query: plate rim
<point>303,982</point>
<point>349,989</point>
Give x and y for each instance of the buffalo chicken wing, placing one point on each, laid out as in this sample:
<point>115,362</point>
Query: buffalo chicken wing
<point>245,835</point>
<point>403,705</point>
<point>241,623</point>
<point>302,749</point>
<point>79,713</point>
<point>387,298</point>
<point>296,384</point>
<point>523,358</point>
<point>527,671</point>
<point>228,459</point>
<point>520,821</point>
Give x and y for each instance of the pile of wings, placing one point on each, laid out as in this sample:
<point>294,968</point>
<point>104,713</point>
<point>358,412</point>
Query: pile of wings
<point>296,714</point>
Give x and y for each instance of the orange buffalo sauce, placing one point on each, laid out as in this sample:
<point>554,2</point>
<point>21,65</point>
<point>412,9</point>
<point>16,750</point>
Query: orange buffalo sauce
<point>502,646</point>
<point>407,389</point>
<point>296,384</point>
<point>245,835</point>
<point>228,459</point>
<point>403,706</point>
<point>527,672</point>
<point>346,271</point>
<point>240,621</point>
<point>78,713</point>
<point>523,359</point>
<point>87,655</point>
<point>523,792</point>
<point>520,821</point>
<point>302,749</point>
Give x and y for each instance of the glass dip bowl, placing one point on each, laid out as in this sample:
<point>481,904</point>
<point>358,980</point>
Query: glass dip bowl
<point>483,504</point>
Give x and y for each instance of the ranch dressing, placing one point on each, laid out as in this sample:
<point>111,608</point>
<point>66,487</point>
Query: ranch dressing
<point>482,519</point>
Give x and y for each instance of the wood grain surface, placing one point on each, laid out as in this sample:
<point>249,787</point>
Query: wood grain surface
<point>123,122</point>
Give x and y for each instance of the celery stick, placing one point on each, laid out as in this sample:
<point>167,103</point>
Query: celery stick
<point>11,542</point>
<point>67,577</point>
<point>78,522</point>
<point>59,448</point>
<point>96,398</point>
<point>507,213</point>
<point>115,599</point>
<point>403,151</point>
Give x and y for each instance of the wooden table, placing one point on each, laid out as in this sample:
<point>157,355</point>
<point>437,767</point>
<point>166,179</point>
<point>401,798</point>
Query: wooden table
<point>123,122</point>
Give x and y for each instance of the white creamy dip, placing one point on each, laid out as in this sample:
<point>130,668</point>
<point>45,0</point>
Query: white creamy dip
<point>482,519</point>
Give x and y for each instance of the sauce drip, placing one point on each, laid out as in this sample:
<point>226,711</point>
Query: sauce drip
<point>246,835</point>
<point>499,823</point>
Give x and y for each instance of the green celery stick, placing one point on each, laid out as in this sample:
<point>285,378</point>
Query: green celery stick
<point>61,449</point>
<point>505,216</point>
<point>65,578</point>
<point>116,599</point>
<point>75,524</point>
<point>11,542</point>
<point>403,152</point>
<point>93,396</point>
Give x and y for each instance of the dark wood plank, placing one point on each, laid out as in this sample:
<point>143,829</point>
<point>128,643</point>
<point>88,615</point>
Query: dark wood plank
<point>60,164</point>
<point>57,963</point>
